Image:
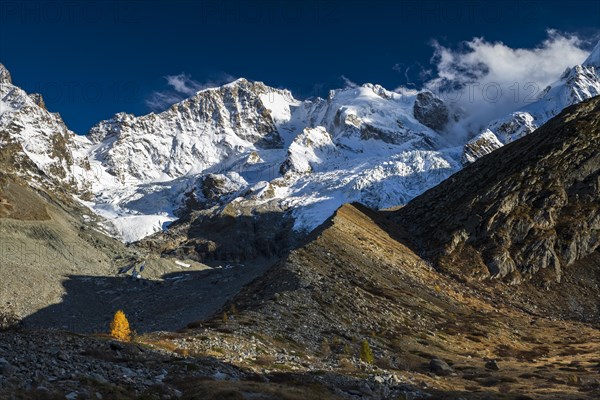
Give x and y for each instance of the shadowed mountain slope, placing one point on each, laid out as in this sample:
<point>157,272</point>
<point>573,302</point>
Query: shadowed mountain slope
<point>528,210</point>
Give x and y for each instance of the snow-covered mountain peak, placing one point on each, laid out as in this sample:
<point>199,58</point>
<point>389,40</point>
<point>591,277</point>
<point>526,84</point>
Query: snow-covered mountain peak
<point>380,90</point>
<point>238,81</point>
<point>212,106</point>
<point>42,135</point>
<point>367,91</point>
<point>309,156</point>
<point>241,84</point>
<point>191,135</point>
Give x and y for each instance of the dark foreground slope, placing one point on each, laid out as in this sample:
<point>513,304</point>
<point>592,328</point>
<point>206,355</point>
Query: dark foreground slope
<point>297,332</point>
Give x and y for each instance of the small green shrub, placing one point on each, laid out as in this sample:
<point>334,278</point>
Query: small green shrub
<point>366,354</point>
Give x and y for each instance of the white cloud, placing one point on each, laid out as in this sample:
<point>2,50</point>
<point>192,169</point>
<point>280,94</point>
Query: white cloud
<point>182,86</point>
<point>417,70</point>
<point>348,83</point>
<point>159,101</point>
<point>490,79</point>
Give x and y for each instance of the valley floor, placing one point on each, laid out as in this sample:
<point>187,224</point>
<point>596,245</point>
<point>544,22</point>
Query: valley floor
<point>296,332</point>
<point>153,303</point>
<point>219,364</point>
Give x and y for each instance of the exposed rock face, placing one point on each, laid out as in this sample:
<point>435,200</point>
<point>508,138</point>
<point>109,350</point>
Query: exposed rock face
<point>215,186</point>
<point>4,75</point>
<point>12,157</point>
<point>38,100</point>
<point>531,206</point>
<point>431,111</point>
<point>43,136</point>
<point>238,232</point>
<point>193,135</point>
<point>479,146</point>
<point>308,150</point>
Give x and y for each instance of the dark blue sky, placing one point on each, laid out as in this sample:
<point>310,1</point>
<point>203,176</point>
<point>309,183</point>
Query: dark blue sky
<point>93,59</point>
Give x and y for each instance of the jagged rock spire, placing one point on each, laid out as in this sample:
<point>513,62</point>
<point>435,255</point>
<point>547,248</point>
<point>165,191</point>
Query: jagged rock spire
<point>4,75</point>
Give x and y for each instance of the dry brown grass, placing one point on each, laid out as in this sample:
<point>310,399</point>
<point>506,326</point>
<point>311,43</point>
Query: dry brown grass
<point>162,344</point>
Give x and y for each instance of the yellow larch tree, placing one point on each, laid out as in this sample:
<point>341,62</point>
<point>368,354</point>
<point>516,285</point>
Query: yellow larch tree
<point>119,327</point>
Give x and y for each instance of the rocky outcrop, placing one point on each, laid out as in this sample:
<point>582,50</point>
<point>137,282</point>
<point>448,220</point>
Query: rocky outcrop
<point>241,231</point>
<point>431,111</point>
<point>5,77</point>
<point>38,100</point>
<point>479,146</point>
<point>215,186</point>
<point>308,150</point>
<point>531,206</point>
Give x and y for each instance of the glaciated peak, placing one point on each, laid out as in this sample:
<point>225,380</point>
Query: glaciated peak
<point>594,57</point>
<point>239,82</point>
<point>4,75</point>
<point>379,90</point>
<point>575,85</point>
<point>235,90</point>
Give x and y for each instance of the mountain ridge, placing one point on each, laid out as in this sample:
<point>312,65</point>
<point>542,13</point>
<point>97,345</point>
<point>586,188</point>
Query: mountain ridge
<point>305,157</point>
